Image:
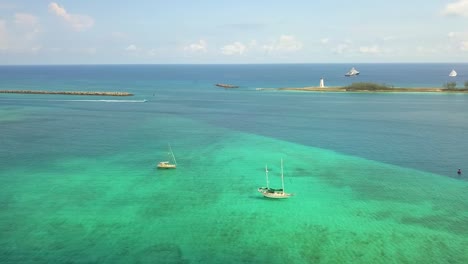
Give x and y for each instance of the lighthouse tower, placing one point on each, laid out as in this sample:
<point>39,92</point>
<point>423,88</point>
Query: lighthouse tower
<point>321,83</point>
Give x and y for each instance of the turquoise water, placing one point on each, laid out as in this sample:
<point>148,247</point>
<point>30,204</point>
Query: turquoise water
<point>374,175</point>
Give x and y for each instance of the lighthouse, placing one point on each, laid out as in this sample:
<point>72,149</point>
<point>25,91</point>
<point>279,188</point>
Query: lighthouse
<point>321,83</point>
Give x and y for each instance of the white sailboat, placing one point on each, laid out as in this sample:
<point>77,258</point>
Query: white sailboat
<point>274,193</point>
<point>453,73</point>
<point>168,164</point>
<point>352,72</point>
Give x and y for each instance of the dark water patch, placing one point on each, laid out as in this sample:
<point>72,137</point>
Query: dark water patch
<point>454,224</point>
<point>176,202</point>
<point>160,253</point>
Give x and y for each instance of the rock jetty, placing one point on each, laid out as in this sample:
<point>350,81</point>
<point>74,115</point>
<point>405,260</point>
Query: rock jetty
<point>226,85</point>
<point>68,92</point>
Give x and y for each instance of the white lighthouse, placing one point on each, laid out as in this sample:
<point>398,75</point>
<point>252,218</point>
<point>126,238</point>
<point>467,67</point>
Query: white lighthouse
<point>322,85</point>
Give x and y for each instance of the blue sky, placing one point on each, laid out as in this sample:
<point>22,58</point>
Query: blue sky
<point>210,31</point>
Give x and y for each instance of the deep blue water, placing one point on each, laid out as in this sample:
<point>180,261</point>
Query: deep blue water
<point>422,131</point>
<point>247,76</point>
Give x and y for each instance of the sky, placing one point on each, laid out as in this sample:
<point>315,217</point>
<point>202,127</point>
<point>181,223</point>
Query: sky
<point>232,32</point>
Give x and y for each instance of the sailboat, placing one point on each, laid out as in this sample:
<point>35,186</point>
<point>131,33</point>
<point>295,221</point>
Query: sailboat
<point>168,164</point>
<point>274,193</point>
<point>453,73</point>
<point>352,72</point>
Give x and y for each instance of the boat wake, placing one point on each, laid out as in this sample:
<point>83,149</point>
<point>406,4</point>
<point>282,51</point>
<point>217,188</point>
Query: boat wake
<point>105,101</point>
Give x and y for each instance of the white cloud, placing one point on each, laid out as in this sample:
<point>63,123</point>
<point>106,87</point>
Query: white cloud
<point>288,43</point>
<point>464,45</point>
<point>285,43</point>
<point>458,40</point>
<point>234,48</point>
<point>199,46</point>
<point>370,49</point>
<point>131,48</point>
<point>78,22</point>
<point>325,41</point>
<point>457,8</point>
<point>36,49</point>
<point>341,48</point>
<point>153,52</point>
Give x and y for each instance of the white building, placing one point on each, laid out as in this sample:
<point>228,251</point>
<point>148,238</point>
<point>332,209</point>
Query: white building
<point>322,85</point>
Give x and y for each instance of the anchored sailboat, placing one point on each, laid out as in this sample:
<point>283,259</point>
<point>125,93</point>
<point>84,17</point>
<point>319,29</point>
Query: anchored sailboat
<point>271,192</point>
<point>453,73</point>
<point>168,164</point>
<point>352,72</point>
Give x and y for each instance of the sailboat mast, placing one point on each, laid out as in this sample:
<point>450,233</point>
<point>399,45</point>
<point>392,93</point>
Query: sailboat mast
<point>282,178</point>
<point>172,154</point>
<point>266,173</point>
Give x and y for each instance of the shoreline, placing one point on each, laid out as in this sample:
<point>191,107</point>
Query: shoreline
<point>389,90</point>
<point>95,93</point>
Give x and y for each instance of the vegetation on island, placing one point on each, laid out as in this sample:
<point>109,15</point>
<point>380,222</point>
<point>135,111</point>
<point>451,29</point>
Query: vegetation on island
<point>452,86</point>
<point>366,86</point>
<point>383,88</point>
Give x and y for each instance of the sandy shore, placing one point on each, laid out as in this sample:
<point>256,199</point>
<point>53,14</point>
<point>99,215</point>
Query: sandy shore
<point>390,90</point>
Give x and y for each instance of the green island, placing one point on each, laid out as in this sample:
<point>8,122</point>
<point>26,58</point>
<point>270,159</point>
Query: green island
<point>380,88</point>
<point>68,92</point>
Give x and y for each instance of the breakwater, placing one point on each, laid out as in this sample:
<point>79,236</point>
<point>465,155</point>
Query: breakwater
<point>68,92</point>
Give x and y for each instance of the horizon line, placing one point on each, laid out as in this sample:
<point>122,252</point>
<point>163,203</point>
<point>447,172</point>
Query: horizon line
<point>201,64</point>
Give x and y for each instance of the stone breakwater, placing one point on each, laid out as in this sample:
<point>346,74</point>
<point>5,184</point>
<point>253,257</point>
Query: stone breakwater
<point>68,92</point>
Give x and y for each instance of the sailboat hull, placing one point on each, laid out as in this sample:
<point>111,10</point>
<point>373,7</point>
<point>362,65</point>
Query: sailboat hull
<point>350,75</point>
<point>276,195</point>
<point>165,165</point>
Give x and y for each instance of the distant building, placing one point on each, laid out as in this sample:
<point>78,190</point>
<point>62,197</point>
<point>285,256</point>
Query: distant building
<point>322,85</point>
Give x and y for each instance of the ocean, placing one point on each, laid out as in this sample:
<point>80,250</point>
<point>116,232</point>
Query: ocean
<point>374,176</point>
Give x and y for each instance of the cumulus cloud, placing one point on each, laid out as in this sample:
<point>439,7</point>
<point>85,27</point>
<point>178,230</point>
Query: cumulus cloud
<point>285,43</point>
<point>324,41</point>
<point>78,22</point>
<point>289,43</point>
<point>234,48</point>
<point>199,46</point>
<point>464,45</point>
<point>458,40</point>
<point>341,48</point>
<point>370,49</point>
<point>131,48</point>
<point>457,8</point>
